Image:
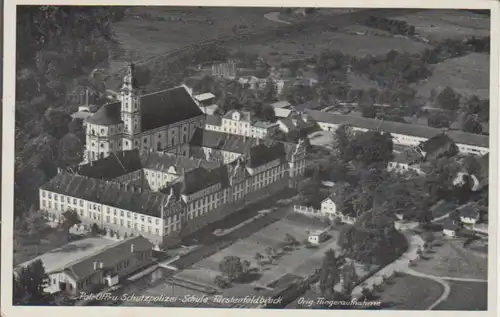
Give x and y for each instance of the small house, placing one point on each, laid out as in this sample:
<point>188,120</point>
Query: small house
<point>450,229</point>
<point>469,214</point>
<point>316,237</point>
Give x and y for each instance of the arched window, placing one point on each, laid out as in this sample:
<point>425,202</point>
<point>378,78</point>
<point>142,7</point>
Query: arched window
<point>184,138</point>
<point>158,146</point>
<point>101,155</point>
<point>173,140</point>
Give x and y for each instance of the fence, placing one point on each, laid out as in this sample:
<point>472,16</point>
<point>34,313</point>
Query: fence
<point>308,211</point>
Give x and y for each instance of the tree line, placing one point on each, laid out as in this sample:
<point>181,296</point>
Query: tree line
<point>390,25</point>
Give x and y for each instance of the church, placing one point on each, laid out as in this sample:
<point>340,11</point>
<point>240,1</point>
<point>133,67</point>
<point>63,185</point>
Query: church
<point>160,121</point>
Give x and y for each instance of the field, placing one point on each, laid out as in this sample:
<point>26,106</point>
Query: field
<point>299,262</point>
<point>466,296</point>
<point>305,45</point>
<point>410,293</point>
<point>452,260</point>
<point>469,75</point>
<point>146,31</point>
<point>441,24</point>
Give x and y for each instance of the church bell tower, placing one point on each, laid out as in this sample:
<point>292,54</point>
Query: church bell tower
<point>130,103</point>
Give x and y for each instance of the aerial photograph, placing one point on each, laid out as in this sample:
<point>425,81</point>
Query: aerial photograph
<point>251,157</point>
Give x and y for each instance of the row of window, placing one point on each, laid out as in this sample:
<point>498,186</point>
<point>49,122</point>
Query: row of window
<point>74,202</point>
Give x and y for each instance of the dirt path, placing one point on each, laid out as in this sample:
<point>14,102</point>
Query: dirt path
<point>274,16</point>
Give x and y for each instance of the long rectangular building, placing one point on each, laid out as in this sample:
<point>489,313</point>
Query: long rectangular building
<point>402,133</point>
<point>124,206</point>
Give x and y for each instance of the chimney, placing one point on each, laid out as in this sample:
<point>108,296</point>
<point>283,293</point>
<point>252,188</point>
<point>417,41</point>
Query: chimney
<point>132,248</point>
<point>95,265</point>
<point>101,265</point>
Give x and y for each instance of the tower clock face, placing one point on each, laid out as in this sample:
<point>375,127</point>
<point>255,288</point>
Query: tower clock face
<point>126,92</point>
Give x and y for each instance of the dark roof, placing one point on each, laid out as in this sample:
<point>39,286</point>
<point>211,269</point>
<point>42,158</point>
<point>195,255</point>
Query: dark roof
<point>125,162</point>
<point>448,224</point>
<point>470,210</point>
<point>109,256</point>
<point>458,137</point>
<point>213,120</point>
<point>438,146</point>
<point>201,178</point>
<point>163,161</point>
<point>108,193</point>
<point>166,107</point>
<point>108,114</point>
<point>112,166</point>
<point>262,154</point>
<point>436,142</point>
<point>223,141</point>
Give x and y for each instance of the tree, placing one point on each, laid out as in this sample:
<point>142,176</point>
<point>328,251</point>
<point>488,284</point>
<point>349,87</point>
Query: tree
<point>448,99</point>
<point>221,282</point>
<point>231,267</point>
<point>71,150</point>
<point>71,218</point>
<point>329,272</point>
<point>29,284</point>
<point>439,120</point>
<point>472,125</point>
<point>268,114</point>
<point>368,111</point>
<point>290,240</point>
<point>270,92</point>
<point>372,147</point>
<point>349,277</point>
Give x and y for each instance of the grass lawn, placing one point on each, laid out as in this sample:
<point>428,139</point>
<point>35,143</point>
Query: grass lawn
<point>441,24</point>
<point>466,296</point>
<point>410,293</point>
<point>304,45</point>
<point>452,260</point>
<point>148,31</point>
<point>469,75</point>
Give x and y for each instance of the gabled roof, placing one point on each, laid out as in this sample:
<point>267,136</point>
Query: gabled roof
<point>223,141</point>
<point>167,107</point>
<point>164,161</point>
<point>438,146</point>
<point>108,193</point>
<point>448,224</point>
<point>458,137</point>
<point>282,113</point>
<point>204,97</point>
<point>112,166</point>
<point>108,114</point>
<point>109,256</point>
<point>288,123</point>
<point>280,104</point>
<point>470,210</point>
<point>201,178</point>
<point>213,120</point>
<point>262,154</point>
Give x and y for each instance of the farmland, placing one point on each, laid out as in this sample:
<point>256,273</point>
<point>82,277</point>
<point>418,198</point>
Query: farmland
<point>468,75</point>
<point>440,24</point>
